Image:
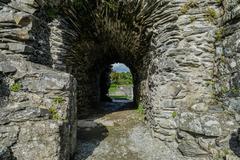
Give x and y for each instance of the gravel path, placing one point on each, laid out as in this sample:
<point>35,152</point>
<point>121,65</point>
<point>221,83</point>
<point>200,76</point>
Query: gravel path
<point>120,135</point>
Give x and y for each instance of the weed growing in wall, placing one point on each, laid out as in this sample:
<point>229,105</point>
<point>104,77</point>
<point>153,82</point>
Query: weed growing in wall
<point>190,4</point>
<point>211,14</point>
<point>54,113</point>
<point>53,109</point>
<point>58,100</point>
<point>219,34</point>
<point>16,87</point>
<point>174,114</point>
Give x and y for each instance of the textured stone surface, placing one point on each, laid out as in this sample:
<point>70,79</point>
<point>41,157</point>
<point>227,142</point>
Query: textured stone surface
<point>206,125</point>
<point>191,148</point>
<point>183,54</point>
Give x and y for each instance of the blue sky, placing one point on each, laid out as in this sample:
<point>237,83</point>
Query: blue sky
<point>120,67</point>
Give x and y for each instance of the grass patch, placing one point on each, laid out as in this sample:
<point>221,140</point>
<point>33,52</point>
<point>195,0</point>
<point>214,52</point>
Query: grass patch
<point>113,88</point>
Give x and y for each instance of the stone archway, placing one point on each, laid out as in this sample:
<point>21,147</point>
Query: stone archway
<point>183,59</point>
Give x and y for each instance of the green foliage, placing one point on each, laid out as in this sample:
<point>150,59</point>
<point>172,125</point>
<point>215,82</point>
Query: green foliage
<point>219,34</point>
<point>140,109</point>
<point>211,14</point>
<point>53,109</point>
<point>190,4</point>
<point>121,78</point>
<point>184,9</point>
<point>113,88</point>
<point>54,113</point>
<point>58,100</point>
<point>174,114</point>
<point>16,87</point>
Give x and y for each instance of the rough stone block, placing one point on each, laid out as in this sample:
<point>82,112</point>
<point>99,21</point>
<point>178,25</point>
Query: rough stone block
<point>20,48</point>
<point>191,148</point>
<point>8,135</point>
<point>206,125</point>
<point>5,67</point>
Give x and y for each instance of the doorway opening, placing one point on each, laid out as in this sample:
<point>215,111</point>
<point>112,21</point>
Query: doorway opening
<point>116,87</point>
<point>121,87</point>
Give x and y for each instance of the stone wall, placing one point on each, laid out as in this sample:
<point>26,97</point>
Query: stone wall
<point>183,55</point>
<point>38,104</point>
<point>183,106</point>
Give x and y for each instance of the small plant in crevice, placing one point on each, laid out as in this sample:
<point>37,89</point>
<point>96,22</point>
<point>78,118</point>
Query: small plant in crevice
<point>174,114</point>
<point>16,87</point>
<point>184,9</point>
<point>190,4</point>
<point>211,14</point>
<point>54,113</point>
<point>219,34</point>
<point>58,100</point>
<point>53,109</point>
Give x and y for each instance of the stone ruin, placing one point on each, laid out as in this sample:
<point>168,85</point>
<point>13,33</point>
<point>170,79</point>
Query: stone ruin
<point>184,56</point>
